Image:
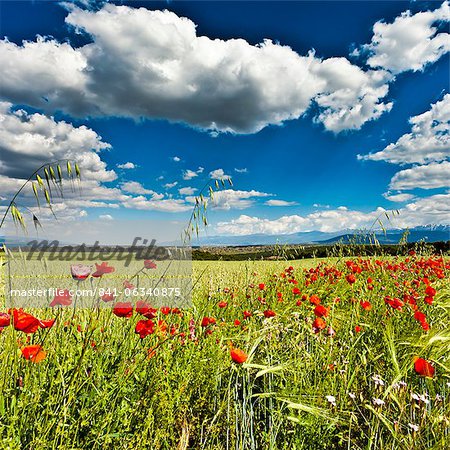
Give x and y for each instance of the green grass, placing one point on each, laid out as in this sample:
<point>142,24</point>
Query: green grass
<point>97,388</point>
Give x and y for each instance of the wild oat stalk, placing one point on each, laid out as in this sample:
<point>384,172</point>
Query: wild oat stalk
<point>199,213</point>
<point>52,187</point>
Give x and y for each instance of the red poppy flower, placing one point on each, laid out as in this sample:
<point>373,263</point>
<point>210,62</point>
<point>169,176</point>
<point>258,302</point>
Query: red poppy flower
<point>238,356</point>
<point>237,322</point>
<point>208,321</point>
<point>423,368</point>
<point>25,322</point>
<point>420,316</point>
<point>358,329</point>
<point>33,353</point>
<point>314,299</point>
<point>429,300</point>
<point>5,319</point>
<point>80,271</point>
<point>366,305</point>
<point>108,297</point>
<point>318,324</point>
<point>296,291</point>
<point>222,304</point>
<point>165,310</point>
<point>395,303</point>
<point>102,269</point>
<point>128,285</point>
<point>145,309</point>
<point>321,311</point>
<point>62,298</point>
<point>430,291</point>
<point>269,313</point>
<point>47,323</point>
<point>142,307</point>
<point>350,278</point>
<point>261,286</point>
<point>247,314</point>
<point>149,264</point>
<point>123,310</point>
<point>144,328</point>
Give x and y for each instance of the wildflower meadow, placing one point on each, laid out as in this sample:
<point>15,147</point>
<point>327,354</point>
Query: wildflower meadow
<point>337,353</point>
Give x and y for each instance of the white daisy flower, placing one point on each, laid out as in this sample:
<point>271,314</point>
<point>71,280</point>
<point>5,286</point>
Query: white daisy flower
<point>377,380</point>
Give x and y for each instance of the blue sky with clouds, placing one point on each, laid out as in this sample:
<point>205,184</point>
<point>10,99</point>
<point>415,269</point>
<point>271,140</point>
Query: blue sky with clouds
<point>323,113</point>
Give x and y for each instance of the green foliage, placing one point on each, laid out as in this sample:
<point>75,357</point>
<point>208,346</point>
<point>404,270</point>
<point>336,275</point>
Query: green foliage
<point>295,252</point>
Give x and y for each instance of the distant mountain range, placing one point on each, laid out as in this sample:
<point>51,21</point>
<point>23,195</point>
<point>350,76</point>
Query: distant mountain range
<point>429,233</point>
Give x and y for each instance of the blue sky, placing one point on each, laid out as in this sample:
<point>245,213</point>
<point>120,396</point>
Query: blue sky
<point>302,169</point>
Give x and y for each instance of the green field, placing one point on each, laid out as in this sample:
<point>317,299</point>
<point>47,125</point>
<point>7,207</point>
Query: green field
<point>346,381</point>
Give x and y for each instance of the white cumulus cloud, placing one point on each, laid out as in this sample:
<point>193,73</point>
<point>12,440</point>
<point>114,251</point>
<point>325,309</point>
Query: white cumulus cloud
<point>235,199</point>
<point>428,210</point>
<point>398,197</point>
<point>170,185</point>
<point>411,42</point>
<point>133,187</point>
<point>428,141</point>
<point>187,191</point>
<point>275,202</point>
<point>218,174</point>
<point>36,139</point>
<point>431,176</point>
<point>152,64</point>
<point>351,96</point>
<point>189,174</point>
<point>165,205</point>
<point>127,165</point>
